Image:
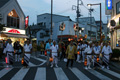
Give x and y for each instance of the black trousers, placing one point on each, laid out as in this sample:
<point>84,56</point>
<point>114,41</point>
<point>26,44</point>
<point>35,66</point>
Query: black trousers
<point>69,61</point>
<point>62,55</point>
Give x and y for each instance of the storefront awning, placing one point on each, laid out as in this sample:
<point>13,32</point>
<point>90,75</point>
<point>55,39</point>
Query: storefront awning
<point>14,35</point>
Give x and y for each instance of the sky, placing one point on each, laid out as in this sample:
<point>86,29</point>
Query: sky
<point>60,7</point>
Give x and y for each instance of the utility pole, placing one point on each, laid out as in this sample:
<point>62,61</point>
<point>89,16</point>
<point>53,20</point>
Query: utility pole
<point>91,10</point>
<point>51,18</point>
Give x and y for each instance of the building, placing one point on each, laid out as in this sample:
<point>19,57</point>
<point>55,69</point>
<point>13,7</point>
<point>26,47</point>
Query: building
<point>104,31</point>
<point>113,9</point>
<point>13,17</point>
<point>90,27</point>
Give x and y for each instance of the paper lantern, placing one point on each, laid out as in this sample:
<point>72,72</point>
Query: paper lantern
<point>22,61</point>
<point>6,60</point>
<point>51,59</point>
<point>97,59</point>
<point>78,52</point>
<point>45,53</point>
<point>85,62</point>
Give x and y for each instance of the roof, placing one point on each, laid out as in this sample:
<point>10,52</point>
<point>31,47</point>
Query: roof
<point>3,2</point>
<point>53,15</point>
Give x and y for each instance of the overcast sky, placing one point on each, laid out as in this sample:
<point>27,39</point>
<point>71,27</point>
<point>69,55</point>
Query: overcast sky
<point>61,7</point>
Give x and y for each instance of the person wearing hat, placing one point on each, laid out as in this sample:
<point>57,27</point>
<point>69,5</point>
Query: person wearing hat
<point>106,51</point>
<point>9,53</point>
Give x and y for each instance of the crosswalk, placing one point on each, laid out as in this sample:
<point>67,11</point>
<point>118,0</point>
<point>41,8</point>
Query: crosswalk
<point>40,73</point>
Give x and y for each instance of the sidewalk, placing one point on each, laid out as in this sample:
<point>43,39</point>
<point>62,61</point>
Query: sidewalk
<point>115,64</point>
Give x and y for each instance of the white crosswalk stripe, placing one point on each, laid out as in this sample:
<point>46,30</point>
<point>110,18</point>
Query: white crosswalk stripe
<point>112,73</point>
<point>60,74</point>
<point>20,74</point>
<point>79,74</point>
<point>99,75</point>
<point>40,74</point>
<point>4,71</point>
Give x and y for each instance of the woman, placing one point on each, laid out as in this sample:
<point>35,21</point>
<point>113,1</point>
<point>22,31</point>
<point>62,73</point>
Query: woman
<point>42,48</point>
<point>27,53</point>
<point>70,52</point>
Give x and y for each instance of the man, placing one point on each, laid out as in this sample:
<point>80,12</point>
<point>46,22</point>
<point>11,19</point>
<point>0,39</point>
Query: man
<point>106,51</point>
<point>70,52</point>
<point>9,53</point>
<point>47,47</point>
<point>54,49</point>
<point>27,53</point>
<point>96,55</point>
<point>83,49</point>
<point>88,51</point>
<point>79,50</point>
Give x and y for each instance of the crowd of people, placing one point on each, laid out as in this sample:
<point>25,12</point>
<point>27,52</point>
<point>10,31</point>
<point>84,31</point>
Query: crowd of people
<point>91,54</point>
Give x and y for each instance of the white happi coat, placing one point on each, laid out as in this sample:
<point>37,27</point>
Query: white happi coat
<point>107,50</point>
<point>27,48</point>
<point>88,50</point>
<point>9,49</point>
<point>54,50</point>
<point>96,49</point>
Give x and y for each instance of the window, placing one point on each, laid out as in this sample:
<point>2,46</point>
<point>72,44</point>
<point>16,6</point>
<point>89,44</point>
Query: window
<point>41,35</point>
<point>118,38</point>
<point>117,7</point>
<point>13,19</point>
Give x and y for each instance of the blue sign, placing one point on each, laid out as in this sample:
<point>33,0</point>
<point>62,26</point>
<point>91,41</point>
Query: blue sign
<point>109,4</point>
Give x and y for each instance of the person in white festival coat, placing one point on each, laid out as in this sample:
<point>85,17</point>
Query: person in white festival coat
<point>88,51</point>
<point>106,51</point>
<point>27,53</point>
<point>54,49</point>
<point>83,47</point>
<point>9,52</point>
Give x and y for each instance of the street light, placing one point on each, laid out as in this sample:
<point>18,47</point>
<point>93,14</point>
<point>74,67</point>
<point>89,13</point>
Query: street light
<point>100,19</point>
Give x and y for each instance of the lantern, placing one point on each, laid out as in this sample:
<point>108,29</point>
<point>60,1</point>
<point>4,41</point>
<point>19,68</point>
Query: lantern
<point>45,53</point>
<point>85,62</point>
<point>78,52</point>
<point>69,39</point>
<point>6,60</point>
<point>97,59</point>
<point>51,59</point>
<point>22,61</point>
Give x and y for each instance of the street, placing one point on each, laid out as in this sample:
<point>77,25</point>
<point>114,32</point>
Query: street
<point>37,70</point>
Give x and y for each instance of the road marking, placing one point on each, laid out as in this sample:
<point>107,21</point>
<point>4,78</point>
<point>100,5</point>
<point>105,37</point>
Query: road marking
<point>31,64</point>
<point>79,74</point>
<point>99,75</point>
<point>20,74</point>
<point>60,74</point>
<point>39,59</point>
<point>40,74</point>
<point>5,71</point>
<point>111,72</point>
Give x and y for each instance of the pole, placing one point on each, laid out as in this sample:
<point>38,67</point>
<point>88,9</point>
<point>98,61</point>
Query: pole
<point>90,22</point>
<point>100,24</point>
<point>77,17</point>
<point>51,18</point>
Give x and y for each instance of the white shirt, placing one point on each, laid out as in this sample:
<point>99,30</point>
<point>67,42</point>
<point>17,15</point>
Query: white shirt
<point>84,46</point>
<point>88,50</point>
<point>107,50</point>
<point>96,49</point>
<point>54,48</point>
<point>27,48</point>
<point>9,47</point>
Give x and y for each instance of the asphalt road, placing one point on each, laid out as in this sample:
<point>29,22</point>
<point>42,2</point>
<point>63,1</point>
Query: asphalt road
<point>38,70</point>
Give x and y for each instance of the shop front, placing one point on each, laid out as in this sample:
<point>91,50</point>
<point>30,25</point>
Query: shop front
<point>13,34</point>
<point>115,32</point>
